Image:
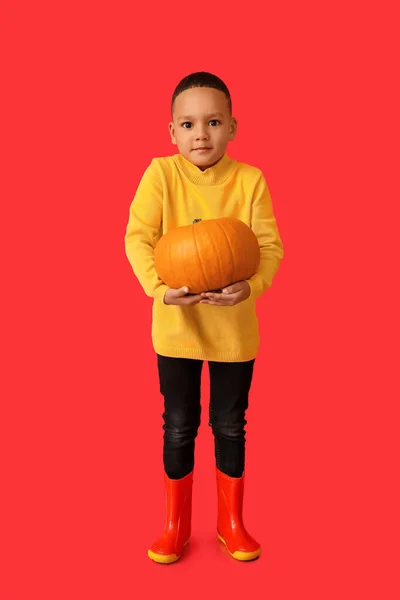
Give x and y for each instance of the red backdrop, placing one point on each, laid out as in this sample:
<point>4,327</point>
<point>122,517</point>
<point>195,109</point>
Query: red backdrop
<point>86,97</point>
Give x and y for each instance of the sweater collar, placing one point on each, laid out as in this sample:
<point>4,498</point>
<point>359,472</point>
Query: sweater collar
<point>214,175</point>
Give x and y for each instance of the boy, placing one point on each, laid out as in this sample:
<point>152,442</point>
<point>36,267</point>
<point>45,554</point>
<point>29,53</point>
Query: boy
<point>203,182</point>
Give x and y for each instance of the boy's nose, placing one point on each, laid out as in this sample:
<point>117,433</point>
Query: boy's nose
<point>201,135</point>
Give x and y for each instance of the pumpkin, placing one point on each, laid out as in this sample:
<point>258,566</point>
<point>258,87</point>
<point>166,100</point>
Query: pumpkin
<point>207,255</point>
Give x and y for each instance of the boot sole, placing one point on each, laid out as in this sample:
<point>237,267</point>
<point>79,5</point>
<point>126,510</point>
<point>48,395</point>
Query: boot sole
<point>238,555</point>
<point>164,559</point>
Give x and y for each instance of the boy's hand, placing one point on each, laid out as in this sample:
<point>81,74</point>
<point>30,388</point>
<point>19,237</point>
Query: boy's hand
<point>180,297</point>
<point>231,295</point>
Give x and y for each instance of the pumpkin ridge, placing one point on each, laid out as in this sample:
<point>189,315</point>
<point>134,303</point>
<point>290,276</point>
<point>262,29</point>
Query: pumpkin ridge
<point>232,253</point>
<point>183,263</point>
<point>169,257</point>
<point>198,254</point>
<point>217,253</point>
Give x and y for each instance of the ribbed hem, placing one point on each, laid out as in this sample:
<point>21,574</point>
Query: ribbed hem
<point>199,354</point>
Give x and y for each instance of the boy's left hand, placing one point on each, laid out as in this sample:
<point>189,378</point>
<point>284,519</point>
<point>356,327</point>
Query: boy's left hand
<point>231,295</point>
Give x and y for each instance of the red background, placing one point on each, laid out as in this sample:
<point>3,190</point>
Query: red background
<point>86,93</point>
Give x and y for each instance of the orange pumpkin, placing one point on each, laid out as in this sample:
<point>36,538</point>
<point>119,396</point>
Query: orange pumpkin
<point>207,255</point>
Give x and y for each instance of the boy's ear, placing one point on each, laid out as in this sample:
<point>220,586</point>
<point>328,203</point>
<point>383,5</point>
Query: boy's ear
<point>172,133</point>
<point>233,129</point>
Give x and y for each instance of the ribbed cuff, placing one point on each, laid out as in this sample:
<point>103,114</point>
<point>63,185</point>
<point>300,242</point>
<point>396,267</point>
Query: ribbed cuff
<point>160,292</point>
<point>256,285</point>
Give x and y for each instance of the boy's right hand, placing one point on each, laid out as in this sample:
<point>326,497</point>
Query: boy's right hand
<point>180,297</point>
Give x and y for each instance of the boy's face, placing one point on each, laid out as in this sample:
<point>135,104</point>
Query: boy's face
<point>201,120</point>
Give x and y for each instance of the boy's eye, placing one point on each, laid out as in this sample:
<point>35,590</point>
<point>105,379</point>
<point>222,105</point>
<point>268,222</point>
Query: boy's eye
<point>213,123</point>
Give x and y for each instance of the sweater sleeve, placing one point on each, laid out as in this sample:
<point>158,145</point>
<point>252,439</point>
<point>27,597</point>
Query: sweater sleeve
<point>143,232</point>
<point>264,225</point>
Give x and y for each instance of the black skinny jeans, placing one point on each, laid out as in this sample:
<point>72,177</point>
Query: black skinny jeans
<point>180,380</point>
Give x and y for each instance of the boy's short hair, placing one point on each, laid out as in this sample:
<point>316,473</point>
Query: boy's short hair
<point>201,79</point>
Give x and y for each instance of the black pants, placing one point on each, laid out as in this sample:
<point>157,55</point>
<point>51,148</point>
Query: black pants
<point>230,383</point>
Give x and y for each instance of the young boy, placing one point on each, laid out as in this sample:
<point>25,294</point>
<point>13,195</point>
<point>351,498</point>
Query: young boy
<point>203,182</point>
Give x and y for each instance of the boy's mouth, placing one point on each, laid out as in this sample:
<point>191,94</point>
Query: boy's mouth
<point>203,149</point>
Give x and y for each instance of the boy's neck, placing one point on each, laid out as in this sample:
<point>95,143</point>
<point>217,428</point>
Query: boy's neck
<point>211,175</point>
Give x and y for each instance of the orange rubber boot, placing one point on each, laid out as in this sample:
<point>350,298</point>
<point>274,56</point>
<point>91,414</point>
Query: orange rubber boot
<point>178,492</point>
<point>230,527</point>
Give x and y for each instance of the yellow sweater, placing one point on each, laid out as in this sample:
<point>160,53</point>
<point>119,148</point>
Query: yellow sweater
<point>174,192</point>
